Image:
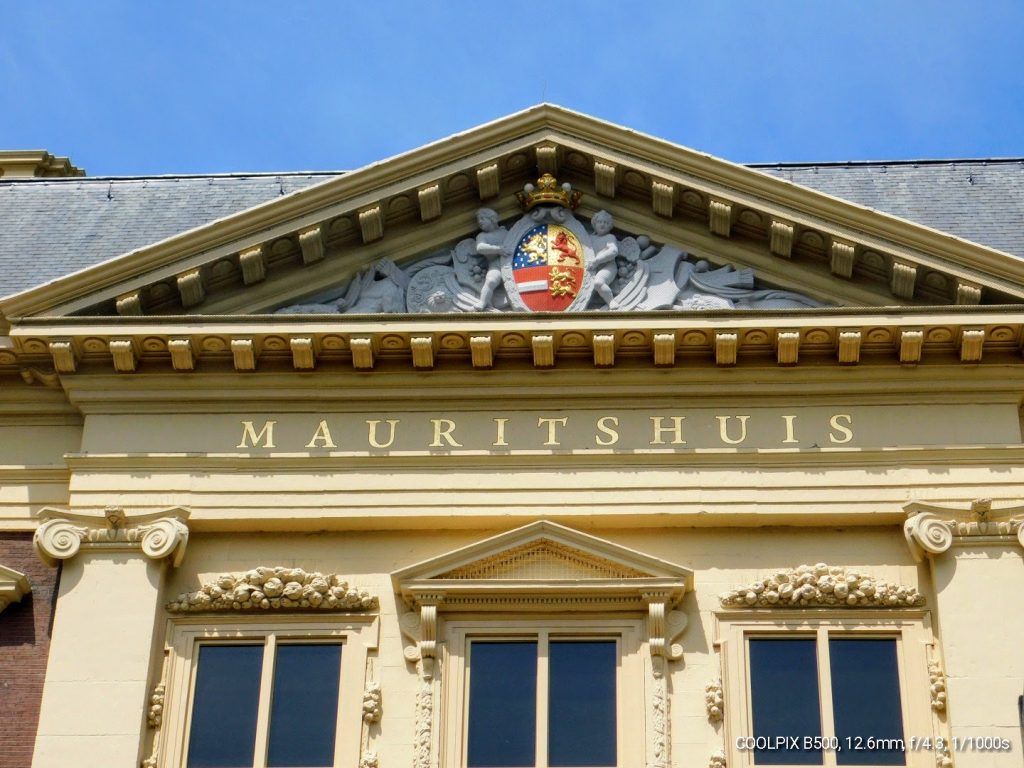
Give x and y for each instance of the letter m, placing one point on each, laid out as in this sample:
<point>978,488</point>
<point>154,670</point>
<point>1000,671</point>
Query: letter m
<point>252,439</point>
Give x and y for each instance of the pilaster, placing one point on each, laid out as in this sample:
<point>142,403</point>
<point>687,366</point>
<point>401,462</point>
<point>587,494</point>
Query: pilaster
<point>977,565</point>
<point>94,698</point>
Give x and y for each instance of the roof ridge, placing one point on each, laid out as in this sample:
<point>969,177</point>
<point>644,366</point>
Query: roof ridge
<point>929,161</point>
<point>173,176</point>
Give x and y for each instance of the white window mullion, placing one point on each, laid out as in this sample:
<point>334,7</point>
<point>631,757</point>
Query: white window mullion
<point>828,723</point>
<point>543,676</point>
<point>266,695</point>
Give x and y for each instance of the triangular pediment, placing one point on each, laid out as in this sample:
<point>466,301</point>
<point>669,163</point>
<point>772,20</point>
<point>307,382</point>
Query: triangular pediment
<point>309,246</point>
<point>542,561</point>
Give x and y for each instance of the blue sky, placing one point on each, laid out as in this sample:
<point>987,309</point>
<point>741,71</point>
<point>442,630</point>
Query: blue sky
<point>158,87</point>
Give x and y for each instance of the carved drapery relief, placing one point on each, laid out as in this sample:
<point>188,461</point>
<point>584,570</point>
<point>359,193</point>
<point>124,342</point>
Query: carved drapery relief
<point>61,535</point>
<point>717,760</point>
<point>714,701</point>
<point>275,588</point>
<point>14,585</point>
<point>931,530</point>
<point>821,586</point>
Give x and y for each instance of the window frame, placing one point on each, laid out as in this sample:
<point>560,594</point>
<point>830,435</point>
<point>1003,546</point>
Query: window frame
<point>631,678</point>
<point>910,629</point>
<point>356,634</point>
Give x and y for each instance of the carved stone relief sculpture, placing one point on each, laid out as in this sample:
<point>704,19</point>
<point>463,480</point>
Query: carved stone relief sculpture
<point>663,628</point>
<point>714,701</point>
<point>275,588</point>
<point>819,586</point>
<point>548,261</point>
<point>372,711</point>
<point>14,585</point>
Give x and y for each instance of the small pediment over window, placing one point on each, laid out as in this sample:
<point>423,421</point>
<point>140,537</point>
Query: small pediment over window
<point>544,559</point>
<point>546,566</point>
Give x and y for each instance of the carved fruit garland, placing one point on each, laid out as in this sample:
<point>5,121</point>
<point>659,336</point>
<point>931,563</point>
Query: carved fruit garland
<point>267,588</point>
<point>821,586</point>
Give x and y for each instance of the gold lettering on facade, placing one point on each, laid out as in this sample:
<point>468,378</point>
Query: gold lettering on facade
<point>322,433</point>
<point>723,429</point>
<point>676,430</point>
<point>371,425</point>
<point>790,430</point>
<point>444,433</point>
<point>845,430</point>
<point>552,425</point>
<point>499,438</point>
<point>605,424</point>
<point>253,438</point>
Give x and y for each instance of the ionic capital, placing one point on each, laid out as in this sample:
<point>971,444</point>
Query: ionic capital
<point>159,535</point>
<point>931,530</point>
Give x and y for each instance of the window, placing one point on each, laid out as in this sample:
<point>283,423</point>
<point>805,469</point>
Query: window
<point>266,695</point>
<point>545,694</point>
<point>231,720</point>
<point>825,692</point>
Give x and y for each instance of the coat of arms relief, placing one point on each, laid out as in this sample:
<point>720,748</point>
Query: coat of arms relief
<point>549,261</point>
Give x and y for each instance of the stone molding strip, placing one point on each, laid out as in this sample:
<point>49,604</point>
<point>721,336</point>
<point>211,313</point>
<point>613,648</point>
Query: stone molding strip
<point>932,530</point>
<point>821,586</point>
<point>275,588</point>
<point>61,534</point>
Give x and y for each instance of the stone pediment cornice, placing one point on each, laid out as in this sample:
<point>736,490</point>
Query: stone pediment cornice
<point>424,199</point>
<point>846,337</point>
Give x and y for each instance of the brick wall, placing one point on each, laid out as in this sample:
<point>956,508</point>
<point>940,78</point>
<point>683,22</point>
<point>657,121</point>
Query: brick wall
<point>24,645</point>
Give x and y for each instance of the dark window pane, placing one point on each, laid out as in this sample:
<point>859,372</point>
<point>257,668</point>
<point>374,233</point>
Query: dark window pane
<point>581,704</point>
<point>784,698</point>
<point>304,707</point>
<point>502,704</point>
<point>223,731</point>
<point>866,701</point>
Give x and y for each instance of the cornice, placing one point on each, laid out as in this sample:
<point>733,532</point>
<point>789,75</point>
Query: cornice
<point>666,173</point>
<point>900,336</point>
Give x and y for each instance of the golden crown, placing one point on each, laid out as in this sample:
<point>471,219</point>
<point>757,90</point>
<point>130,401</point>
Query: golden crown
<point>547,192</point>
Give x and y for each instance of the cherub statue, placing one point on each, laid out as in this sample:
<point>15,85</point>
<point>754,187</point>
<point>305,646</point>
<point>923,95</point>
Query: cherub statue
<point>490,244</point>
<point>606,250</point>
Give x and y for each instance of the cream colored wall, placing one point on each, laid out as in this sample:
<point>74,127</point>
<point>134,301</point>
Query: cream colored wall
<point>980,599</point>
<point>93,706</point>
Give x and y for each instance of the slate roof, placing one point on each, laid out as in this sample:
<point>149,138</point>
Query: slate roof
<point>52,227</point>
<point>979,200</point>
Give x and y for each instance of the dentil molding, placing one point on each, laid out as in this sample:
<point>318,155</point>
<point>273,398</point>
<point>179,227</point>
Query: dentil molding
<point>61,535</point>
<point>931,529</point>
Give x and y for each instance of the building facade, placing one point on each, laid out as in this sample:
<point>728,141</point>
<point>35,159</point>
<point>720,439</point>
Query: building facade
<point>549,444</point>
